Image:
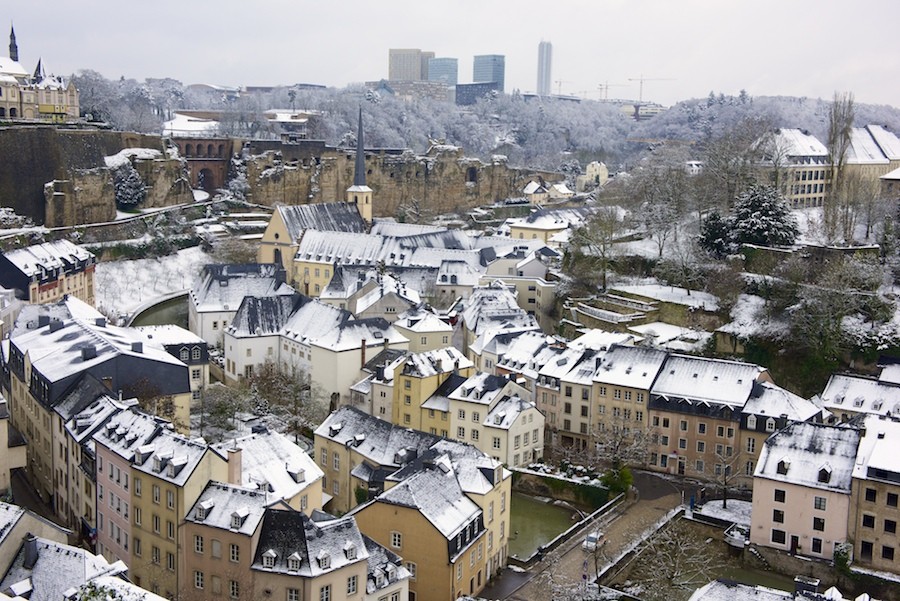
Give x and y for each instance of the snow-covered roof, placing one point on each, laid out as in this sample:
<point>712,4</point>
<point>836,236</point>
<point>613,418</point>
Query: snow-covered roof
<point>551,220</point>
<point>573,365</point>
<point>892,175</point>
<point>433,362</point>
<point>271,463</point>
<point>860,394</point>
<point>437,495</point>
<point>127,432</point>
<point>811,455</point>
<point>353,334</point>
<point>481,388</point>
<point>223,287</point>
<point>799,143</point>
<point>887,141</point>
<point>125,156</point>
<point>58,568</point>
<point>706,380</point>
<point>864,149</point>
<point>879,450</point>
<point>39,259</point>
<point>312,320</point>
<point>115,587</point>
<point>321,545</point>
<point>219,503</point>
<point>9,516</point>
<point>597,339</point>
<point>420,320</point>
<point>389,227</point>
<point>189,126</point>
<point>770,400</point>
<point>890,374</point>
<point>497,340</point>
<point>162,336</point>
<point>730,590</point>
<point>386,285</point>
<point>525,352</point>
<point>10,67</point>
<point>630,366</point>
<point>533,187</point>
<point>170,456</point>
<point>265,316</point>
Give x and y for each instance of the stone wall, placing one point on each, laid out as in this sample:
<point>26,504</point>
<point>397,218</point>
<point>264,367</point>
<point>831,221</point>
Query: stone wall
<point>55,175</point>
<point>439,182</point>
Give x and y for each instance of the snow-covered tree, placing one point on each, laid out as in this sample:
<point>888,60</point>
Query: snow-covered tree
<point>761,216</point>
<point>591,248</point>
<point>130,189</point>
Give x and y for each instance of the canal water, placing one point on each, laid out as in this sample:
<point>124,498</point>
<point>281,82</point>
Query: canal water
<point>534,523</point>
<point>173,311</point>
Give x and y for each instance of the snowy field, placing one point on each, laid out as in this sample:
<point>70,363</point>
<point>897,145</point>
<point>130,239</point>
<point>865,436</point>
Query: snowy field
<point>124,285</point>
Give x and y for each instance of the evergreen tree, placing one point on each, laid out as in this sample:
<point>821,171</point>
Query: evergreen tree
<point>761,216</point>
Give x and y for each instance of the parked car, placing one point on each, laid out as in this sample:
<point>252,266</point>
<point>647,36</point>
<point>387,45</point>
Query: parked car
<point>593,541</point>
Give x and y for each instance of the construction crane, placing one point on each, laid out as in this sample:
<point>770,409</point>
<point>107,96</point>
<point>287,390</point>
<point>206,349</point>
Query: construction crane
<point>559,83</point>
<point>642,79</point>
<point>604,88</point>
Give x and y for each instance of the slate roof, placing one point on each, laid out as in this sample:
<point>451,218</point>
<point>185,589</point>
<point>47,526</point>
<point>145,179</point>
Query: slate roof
<point>887,141</point>
<point>324,217</point>
<point>384,566</point>
<point>350,334</point>
<point>219,502</point>
<point>506,411</point>
<point>272,463</point>
<point>311,320</point>
<point>287,533</point>
<point>395,229</point>
<point>223,287</point>
<point>706,380</point>
<point>385,285</point>
<point>806,449</point>
<point>525,351</point>
<point>39,259</point>
<point>420,320</point>
<point>127,431</point>
<point>494,306</point>
<point>170,457</point>
<point>266,315</point>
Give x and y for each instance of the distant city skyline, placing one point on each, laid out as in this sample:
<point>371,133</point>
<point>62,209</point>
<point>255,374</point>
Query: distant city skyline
<point>805,48</point>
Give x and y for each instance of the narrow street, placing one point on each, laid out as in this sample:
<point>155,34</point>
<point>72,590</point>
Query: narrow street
<point>569,566</point>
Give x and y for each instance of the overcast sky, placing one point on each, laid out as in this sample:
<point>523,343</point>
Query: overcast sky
<point>768,47</point>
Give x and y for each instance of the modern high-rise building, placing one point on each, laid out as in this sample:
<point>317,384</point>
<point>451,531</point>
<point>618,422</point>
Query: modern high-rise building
<point>408,64</point>
<point>490,68</point>
<point>445,70</point>
<point>545,63</point>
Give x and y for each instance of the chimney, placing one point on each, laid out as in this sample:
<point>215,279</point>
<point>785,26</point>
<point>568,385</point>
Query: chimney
<point>31,551</point>
<point>362,353</point>
<point>137,347</point>
<point>804,584</point>
<point>234,466</point>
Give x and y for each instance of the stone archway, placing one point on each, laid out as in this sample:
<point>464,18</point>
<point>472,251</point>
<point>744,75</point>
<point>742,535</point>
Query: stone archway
<point>206,180</point>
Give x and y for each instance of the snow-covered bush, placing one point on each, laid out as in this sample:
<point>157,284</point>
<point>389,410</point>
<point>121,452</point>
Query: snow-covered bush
<point>130,189</point>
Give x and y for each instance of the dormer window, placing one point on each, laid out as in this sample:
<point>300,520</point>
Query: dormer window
<point>157,463</point>
<point>294,562</point>
<point>751,422</point>
<point>770,424</point>
<point>268,558</point>
<point>825,474</point>
<point>238,517</point>
<point>170,470</point>
<point>184,354</point>
<point>204,508</point>
<point>783,467</point>
<point>350,551</point>
<point>235,521</point>
<point>324,560</point>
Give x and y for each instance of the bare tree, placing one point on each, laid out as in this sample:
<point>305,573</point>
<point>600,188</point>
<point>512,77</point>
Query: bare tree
<point>675,561</point>
<point>592,246</point>
<point>291,397</point>
<point>838,202</point>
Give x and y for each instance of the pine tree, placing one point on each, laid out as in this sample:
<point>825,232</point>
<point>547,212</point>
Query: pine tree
<point>761,216</point>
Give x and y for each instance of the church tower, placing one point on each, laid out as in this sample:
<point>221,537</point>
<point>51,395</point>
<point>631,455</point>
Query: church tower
<point>13,47</point>
<point>359,192</point>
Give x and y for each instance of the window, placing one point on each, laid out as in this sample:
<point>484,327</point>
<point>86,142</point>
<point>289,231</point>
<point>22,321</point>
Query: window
<point>890,526</point>
<point>137,487</point>
<point>720,431</point>
<point>474,434</point>
<point>868,521</point>
<point>216,549</point>
<point>156,494</point>
<point>325,593</point>
<point>751,445</point>
<point>871,495</point>
<point>412,570</point>
<point>778,516</point>
<point>617,394</point>
<point>778,536</point>
<point>156,523</point>
<point>198,580</point>
<point>496,442</point>
<point>567,408</point>
<point>154,555</point>
<point>779,496</point>
<point>517,441</point>
<point>235,553</point>
<point>396,540</point>
<point>887,553</point>
<point>682,443</point>
<point>170,561</point>
<point>234,589</point>
<point>460,432</point>
<point>198,544</point>
<point>817,546</point>
<point>336,462</point>
<point>892,499</point>
<point>324,457</point>
<point>137,516</point>
<point>170,529</point>
<point>664,441</point>
<point>770,425</point>
<point>476,417</point>
<point>751,422</point>
<point>293,594</point>
<point>351,585</point>
<point>701,428</point>
<point>568,391</point>
<point>584,411</point>
<point>462,414</point>
<point>683,426</point>
<point>701,446</point>
<point>699,466</point>
<point>170,499</point>
<point>819,503</point>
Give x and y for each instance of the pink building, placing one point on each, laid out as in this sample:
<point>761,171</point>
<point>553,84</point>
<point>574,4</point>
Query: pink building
<point>801,489</point>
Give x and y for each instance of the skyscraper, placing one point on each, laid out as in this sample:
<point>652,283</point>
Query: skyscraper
<point>545,63</point>
<point>408,64</point>
<point>490,68</point>
<point>445,70</point>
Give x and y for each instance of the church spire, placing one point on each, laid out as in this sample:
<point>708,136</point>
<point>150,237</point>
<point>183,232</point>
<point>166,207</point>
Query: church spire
<point>359,175</point>
<point>13,47</point>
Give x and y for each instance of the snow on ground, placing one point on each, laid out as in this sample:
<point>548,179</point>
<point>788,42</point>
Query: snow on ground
<point>125,156</point>
<point>674,294</point>
<point>737,512</point>
<point>124,285</point>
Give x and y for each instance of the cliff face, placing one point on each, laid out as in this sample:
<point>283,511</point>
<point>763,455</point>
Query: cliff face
<point>439,182</point>
<point>57,177</point>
